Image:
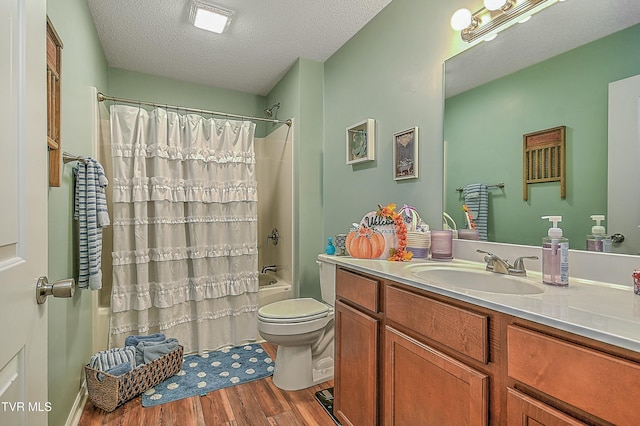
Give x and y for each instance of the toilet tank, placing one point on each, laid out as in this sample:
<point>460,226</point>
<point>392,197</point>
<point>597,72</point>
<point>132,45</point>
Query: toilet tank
<point>327,281</point>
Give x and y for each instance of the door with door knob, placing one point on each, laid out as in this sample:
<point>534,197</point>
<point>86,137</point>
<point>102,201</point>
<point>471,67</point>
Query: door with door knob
<point>23,217</point>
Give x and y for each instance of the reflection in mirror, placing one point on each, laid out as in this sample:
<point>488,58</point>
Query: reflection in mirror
<point>484,125</point>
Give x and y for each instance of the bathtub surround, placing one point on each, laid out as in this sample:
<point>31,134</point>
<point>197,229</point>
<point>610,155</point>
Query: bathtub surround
<point>185,234</point>
<point>274,172</point>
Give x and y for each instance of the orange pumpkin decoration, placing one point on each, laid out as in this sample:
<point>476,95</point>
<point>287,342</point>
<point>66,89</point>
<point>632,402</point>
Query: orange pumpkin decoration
<point>365,243</point>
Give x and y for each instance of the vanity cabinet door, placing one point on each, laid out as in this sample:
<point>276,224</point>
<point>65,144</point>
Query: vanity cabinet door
<point>598,383</point>
<point>356,367</point>
<point>427,387</point>
<point>527,411</point>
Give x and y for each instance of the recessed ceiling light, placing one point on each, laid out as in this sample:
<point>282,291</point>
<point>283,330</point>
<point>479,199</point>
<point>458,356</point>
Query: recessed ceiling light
<point>209,17</point>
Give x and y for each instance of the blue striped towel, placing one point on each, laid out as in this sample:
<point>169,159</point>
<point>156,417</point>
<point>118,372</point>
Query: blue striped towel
<point>90,210</point>
<point>106,360</point>
<point>476,197</point>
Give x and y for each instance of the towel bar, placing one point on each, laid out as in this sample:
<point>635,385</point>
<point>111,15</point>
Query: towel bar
<point>497,185</point>
<point>67,158</point>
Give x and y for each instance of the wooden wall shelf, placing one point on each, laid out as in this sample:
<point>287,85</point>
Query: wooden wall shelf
<point>544,159</point>
<point>54,71</point>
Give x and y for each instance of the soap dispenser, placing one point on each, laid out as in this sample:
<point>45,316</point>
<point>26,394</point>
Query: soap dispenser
<point>555,255</point>
<point>598,240</point>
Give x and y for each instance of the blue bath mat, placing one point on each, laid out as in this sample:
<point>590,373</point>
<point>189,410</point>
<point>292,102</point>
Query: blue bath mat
<point>211,371</point>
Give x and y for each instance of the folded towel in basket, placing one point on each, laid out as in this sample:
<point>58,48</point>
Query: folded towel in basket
<point>149,351</point>
<point>105,360</point>
<point>120,369</point>
<point>134,340</point>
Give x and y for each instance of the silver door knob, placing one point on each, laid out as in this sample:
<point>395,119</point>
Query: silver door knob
<point>60,288</point>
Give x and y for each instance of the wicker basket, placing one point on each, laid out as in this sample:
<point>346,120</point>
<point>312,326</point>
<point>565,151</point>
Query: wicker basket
<point>418,241</point>
<point>109,392</point>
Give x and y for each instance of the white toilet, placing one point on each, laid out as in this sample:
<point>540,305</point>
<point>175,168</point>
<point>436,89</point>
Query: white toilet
<point>303,330</point>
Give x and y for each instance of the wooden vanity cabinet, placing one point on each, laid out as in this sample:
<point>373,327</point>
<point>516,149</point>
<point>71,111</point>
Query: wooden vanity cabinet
<point>582,377</point>
<point>357,337</point>
<point>406,356</point>
<point>436,361</point>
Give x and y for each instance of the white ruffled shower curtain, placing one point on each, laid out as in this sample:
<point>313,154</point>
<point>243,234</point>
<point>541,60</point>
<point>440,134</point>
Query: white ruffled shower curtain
<point>185,257</point>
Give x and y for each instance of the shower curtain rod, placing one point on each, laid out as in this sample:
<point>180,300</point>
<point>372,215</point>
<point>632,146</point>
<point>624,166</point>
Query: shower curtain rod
<point>102,97</point>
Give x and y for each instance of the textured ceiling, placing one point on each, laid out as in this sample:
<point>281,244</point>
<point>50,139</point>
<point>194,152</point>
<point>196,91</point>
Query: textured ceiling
<point>264,39</point>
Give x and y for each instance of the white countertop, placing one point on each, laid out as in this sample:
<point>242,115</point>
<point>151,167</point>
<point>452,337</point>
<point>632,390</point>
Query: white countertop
<point>605,312</point>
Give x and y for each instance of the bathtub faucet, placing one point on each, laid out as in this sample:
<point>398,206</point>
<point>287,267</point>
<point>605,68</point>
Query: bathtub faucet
<point>271,268</point>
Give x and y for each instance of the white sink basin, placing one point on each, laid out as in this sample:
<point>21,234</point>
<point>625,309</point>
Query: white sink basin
<point>477,280</point>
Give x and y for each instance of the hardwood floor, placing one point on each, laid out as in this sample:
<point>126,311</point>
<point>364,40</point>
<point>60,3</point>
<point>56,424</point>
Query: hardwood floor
<point>255,403</point>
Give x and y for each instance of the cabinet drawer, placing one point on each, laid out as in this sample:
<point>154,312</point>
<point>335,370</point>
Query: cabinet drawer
<point>598,383</point>
<point>525,410</point>
<point>360,290</point>
<point>461,330</point>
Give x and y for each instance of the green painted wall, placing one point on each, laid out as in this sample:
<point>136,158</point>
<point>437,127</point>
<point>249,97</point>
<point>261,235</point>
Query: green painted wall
<point>311,241</point>
<point>485,144</point>
<point>390,71</point>
<point>300,95</point>
<point>145,87</point>
<point>70,320</point>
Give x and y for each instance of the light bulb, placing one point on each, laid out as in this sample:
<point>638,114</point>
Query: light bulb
<point>494,4</point>
<point>461,19</point>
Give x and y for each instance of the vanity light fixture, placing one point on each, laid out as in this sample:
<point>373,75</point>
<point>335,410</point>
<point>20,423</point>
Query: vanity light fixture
<point>495,16</point>
<point>209,17</point>
<point>497,4</point>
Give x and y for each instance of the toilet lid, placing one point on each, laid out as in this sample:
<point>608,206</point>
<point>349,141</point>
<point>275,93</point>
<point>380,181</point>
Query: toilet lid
<point>293,310</point>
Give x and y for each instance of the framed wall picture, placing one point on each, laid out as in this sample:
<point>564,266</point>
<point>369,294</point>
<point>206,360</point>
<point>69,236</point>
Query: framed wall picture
<point>405,154</point>
<point>361,141</point>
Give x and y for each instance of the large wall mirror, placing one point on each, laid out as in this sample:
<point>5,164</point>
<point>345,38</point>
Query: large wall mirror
<point>552,71</point>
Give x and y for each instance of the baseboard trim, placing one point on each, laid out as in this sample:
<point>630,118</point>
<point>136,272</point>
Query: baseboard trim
<point>78,405</point>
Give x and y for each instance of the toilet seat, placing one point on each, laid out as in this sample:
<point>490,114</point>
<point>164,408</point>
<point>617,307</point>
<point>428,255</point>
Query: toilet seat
<point>293,311</point>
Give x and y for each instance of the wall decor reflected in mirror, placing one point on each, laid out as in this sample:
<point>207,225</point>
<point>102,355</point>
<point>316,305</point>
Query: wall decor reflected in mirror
<point>405,154</point>
<point>360,142</point>
<point>489,106</point>
<point>543,159</point>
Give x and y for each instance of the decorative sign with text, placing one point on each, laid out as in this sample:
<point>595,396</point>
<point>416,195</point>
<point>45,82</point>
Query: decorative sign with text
<point>384,226</point>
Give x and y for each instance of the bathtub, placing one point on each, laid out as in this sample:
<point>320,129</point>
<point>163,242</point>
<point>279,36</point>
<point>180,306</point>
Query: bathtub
<point>269,293</point>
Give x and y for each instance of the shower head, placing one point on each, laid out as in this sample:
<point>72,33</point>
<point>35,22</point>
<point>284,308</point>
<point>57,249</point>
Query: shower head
<point>271,110</point>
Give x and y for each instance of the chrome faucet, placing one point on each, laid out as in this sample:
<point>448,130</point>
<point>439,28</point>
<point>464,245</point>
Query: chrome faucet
<point>518,266</point>
<point>495,263</point>
<point>502,266</point>
<point>271,268</point>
